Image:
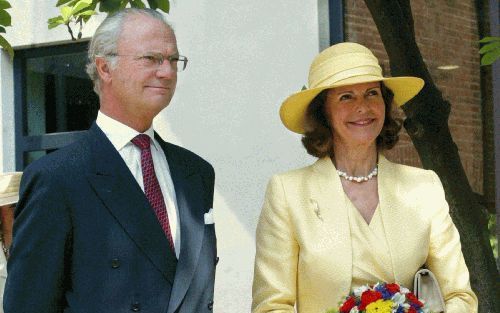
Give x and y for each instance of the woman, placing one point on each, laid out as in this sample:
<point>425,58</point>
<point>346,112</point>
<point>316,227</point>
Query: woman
<point>9,195</point>
<point>353,217</point>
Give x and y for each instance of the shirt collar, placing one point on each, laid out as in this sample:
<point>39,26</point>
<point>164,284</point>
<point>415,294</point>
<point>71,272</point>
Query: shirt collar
<point>120,134</point>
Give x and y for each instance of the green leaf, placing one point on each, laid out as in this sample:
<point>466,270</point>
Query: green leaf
<point>163,5</point>
<point>2,29</point>
<point>123,4</point>
<point>109,6</point>
<point>66,14</point>
<point>86,18</point>
<point>54,25</point>
<point>6,45</point>
<point>94,4</point>
<point>4,5</point>
<point>488,39</point>
<point>61,2</point>
<point>152,4</point>
<point>490,57</point>
<point>490,46</point>
<point>137,4</point>
<point>80,5</point>
<point>5,19</point>
<point>86,13</point>
<point>55,21</point>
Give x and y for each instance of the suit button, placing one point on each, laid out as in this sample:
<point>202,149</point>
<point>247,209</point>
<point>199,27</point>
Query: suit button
<point>115,263</point>
<point>216,260</point>
<point>210,305</point>
<point>136,307</point>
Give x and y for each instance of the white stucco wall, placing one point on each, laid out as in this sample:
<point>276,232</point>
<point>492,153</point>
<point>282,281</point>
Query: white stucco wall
<point>245,57</point>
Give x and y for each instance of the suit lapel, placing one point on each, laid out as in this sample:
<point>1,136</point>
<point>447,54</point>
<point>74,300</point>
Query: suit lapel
<point>122,196</point>
<point>189,192</point>
<point>328,195</point>
<point>395,218</point>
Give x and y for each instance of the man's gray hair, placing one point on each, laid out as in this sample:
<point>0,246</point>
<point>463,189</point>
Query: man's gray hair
<point>104,43</point>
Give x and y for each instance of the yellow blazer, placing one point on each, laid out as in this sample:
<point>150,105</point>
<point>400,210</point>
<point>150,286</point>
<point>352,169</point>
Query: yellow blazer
<point>304,252</point>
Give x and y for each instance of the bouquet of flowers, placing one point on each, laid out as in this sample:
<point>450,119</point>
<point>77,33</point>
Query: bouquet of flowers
<point>381,298</point>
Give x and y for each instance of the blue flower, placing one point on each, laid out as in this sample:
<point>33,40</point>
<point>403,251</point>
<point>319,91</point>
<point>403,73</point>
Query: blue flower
<point>400,309</point>
<point>386,294</point>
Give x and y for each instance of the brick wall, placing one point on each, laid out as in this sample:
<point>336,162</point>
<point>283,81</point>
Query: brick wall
<point>446,33</point>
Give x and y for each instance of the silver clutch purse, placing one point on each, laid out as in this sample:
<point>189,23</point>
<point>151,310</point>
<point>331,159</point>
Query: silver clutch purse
<point>426,287</point>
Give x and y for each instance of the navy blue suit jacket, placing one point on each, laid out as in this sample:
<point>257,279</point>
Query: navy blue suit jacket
<point>86,239</point>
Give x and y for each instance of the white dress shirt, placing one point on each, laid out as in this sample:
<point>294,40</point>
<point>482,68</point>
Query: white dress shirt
<point>120,136</point>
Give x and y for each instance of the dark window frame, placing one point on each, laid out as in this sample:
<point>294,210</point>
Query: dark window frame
<point>336,21</point>
<point>24,143</point>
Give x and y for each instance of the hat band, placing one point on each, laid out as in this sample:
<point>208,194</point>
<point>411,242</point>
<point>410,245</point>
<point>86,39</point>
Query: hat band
<point>345,61</point>
<point>374,72</point>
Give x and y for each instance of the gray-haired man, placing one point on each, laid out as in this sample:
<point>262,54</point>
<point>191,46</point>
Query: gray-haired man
<point>119,221</point>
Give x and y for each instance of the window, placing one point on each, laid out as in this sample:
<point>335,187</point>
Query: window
<point>54,99</point>
<point>331,22</point>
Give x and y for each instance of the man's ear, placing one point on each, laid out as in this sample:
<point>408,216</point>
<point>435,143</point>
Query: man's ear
<point>103,69</point>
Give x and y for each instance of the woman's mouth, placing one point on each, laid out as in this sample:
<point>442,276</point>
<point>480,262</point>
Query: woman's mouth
<point>362,122</point>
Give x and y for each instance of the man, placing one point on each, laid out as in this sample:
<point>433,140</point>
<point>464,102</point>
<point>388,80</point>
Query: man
<point>119,221</point>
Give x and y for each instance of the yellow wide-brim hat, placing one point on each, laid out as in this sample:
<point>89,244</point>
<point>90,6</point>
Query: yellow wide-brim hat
<point>9,187</point>
<point>346,63</point>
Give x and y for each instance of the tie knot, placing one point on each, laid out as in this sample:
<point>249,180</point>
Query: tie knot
<point>142,141</point>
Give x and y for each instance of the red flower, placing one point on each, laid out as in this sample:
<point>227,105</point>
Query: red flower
<point>414,300</point>
<point>368,297</point>
<point>393,288</point>
<point>348,305</point>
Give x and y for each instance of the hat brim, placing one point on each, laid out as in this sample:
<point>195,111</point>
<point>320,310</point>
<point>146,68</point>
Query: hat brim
<point>293,109</point>
<point>9,199</point>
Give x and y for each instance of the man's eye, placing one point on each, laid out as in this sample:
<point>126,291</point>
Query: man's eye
<point>151,58</point>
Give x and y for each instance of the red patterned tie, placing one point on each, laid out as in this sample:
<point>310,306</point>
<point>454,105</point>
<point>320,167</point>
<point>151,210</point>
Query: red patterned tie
<point>151,186</point>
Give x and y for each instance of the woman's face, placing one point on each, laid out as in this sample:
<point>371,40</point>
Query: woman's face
<point>356,113</point>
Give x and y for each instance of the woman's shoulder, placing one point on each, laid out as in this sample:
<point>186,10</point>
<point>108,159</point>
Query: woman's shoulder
<point>413,183</point>
<point>406,172</point>
<point>305,172</point>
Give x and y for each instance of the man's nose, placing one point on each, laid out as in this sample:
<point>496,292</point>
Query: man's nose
<point>166,70</point>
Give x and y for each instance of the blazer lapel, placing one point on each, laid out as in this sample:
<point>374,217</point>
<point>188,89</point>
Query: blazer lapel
<point>189,192</point>
<point>396,217</point>
<point>122,196</point>
<point>328,196</point>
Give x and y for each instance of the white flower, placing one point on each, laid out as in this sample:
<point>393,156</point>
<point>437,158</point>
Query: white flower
<point>354,310</point>
<point>398,298</point>
<point>359,290</point>
<point>404,290</point>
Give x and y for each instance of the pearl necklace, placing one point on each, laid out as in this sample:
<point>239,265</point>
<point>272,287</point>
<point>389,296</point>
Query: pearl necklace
<point>359,179</point>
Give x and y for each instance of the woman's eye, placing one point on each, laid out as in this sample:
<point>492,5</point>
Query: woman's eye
<point>373,92</point>
<point>345,97</point>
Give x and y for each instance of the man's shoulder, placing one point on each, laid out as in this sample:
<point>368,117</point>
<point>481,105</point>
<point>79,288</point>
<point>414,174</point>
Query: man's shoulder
<point>72,155</point>
<point>186,155</point>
